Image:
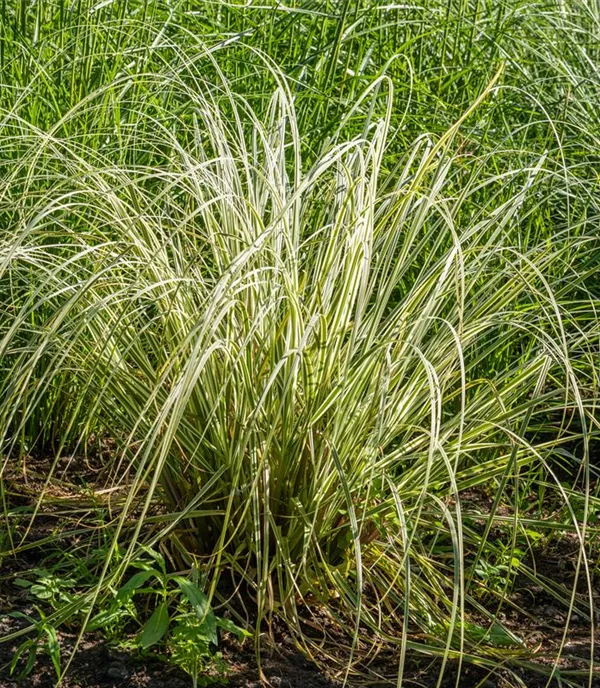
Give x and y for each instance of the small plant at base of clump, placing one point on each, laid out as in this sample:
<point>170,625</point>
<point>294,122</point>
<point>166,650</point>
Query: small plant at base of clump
<point>182,623</point>
<point>46,638</point>
<point>497,574</point>
<point>191,643</point>
<point>48,587</point>
<point>189,636</point>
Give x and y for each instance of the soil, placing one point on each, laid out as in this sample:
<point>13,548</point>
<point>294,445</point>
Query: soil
<point>98,666</point>
<point>531,611</point>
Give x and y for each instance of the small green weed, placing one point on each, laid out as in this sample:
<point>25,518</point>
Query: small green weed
<point>48,586</point>
<point>45,638</point>
<point>182,621</point>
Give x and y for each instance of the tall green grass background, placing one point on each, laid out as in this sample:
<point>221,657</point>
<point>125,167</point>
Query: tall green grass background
<point>322,271</point>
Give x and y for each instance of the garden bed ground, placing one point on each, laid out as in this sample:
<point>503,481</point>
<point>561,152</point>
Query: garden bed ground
<point>533,615</point>
<point>98,666</point>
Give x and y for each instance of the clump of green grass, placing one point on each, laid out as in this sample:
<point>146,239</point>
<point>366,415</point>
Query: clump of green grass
<point>308,329</point>
<point>305,365</point>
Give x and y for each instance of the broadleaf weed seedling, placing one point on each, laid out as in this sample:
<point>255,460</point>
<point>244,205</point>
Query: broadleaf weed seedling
<point>169,610</point>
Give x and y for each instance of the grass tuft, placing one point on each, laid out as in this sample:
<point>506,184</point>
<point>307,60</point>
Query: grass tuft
<point>319,322</point>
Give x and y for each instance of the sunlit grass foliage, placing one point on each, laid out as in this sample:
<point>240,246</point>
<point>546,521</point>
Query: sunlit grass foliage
<point>316,282</point>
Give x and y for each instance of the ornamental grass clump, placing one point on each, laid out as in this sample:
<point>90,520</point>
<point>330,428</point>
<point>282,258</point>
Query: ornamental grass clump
<point>303,365</point>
